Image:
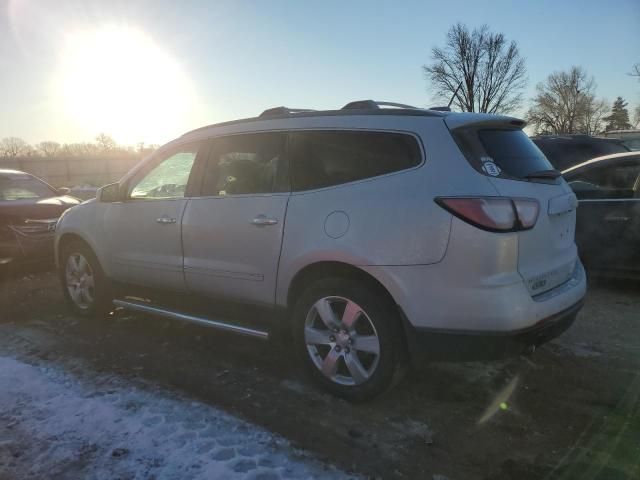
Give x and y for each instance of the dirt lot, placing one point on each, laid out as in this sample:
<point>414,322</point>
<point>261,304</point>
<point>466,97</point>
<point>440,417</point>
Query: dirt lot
<point>569,411</point>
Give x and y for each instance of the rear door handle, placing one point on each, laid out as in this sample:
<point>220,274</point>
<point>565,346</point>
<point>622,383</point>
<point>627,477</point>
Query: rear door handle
<point>165,220</point>
<point>262,220</point>
<point>612,217</point>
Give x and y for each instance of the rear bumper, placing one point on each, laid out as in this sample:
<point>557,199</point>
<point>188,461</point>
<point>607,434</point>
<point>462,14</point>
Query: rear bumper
<point>438,344</point>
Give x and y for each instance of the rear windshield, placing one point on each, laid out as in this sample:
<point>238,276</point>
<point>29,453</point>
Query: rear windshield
<point>511,151</point>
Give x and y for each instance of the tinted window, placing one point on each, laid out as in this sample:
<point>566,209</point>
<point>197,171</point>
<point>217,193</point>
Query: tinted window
<point>23,187</point>
<point>169,178</point>
<point>246,164</point>
<point>618,180</point>
<point>514,152</point>
<point>324,158</point>
<point>564,153</point>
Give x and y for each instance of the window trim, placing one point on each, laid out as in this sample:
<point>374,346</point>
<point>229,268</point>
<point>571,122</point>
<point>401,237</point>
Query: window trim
<point>203,160</point>
<point>156,159</point>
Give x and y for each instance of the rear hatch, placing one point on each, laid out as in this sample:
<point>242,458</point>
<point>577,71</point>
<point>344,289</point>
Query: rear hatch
<point>498,148</point>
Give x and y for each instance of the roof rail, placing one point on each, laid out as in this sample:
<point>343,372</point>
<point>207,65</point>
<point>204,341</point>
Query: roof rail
<point>374,105</point>
<point>441,109</point>
<point>279,111</point>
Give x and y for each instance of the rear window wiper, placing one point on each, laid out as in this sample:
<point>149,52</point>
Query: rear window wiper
<point>550,174</point>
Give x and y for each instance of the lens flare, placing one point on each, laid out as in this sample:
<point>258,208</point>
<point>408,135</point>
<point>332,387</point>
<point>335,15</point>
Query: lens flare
<point>117,80</point>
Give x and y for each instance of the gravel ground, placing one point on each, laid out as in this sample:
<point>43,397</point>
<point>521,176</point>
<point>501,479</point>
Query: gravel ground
<point>569,411</point>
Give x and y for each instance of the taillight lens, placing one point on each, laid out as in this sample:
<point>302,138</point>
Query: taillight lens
<point>527,210</point>
<point>494,214</point>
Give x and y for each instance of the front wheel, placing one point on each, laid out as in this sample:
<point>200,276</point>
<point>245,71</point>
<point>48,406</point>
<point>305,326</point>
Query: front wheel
<point>84,285</point>
<point>349,338</point>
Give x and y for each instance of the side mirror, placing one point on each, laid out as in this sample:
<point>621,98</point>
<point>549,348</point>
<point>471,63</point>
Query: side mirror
<point>109,193</point>
<point>63,191</point>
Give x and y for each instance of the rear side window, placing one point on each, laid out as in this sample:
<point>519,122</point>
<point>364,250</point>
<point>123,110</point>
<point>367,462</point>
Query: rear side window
<point>325,158</point>
<point>511,151</point>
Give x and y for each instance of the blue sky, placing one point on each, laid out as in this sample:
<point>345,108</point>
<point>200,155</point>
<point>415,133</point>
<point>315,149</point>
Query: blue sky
<point>235,59</point>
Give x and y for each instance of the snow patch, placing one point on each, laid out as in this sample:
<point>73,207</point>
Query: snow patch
<point>55,425</point>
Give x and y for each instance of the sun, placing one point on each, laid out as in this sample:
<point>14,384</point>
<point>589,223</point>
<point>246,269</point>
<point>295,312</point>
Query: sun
<point>118,81</point>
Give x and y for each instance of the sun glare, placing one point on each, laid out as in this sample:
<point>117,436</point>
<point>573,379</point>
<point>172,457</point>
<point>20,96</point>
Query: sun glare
<point>118,81</point>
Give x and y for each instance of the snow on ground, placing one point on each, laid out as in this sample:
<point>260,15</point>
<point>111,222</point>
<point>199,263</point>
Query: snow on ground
<point>54,425</point>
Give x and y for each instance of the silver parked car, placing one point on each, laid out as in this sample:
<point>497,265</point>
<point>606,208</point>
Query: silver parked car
<point>375,235</point>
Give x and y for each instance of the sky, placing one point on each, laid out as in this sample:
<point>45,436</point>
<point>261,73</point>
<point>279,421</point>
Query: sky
<point>149,70</point>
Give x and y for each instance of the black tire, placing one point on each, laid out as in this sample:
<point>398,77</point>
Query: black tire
<point>379,310</point>
<point>102,292</point>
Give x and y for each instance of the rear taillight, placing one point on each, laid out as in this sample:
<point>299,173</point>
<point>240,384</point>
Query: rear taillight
<point>494,214</point>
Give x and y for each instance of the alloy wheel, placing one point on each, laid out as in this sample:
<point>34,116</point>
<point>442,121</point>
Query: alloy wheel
<point>342,340</point>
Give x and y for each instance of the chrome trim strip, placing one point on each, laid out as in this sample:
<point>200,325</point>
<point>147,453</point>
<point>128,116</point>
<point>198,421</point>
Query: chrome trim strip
<point>192,318</point>
<point>591,200</point>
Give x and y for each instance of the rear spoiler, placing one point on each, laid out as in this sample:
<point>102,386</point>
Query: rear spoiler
<point>482,120</point>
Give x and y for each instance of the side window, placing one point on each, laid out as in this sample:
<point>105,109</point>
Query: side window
<point>324,158</point>
<point>617,181</point>
<point>247,164</point>
<point>169,178</point>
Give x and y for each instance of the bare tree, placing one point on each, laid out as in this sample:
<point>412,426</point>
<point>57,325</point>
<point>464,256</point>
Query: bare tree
<point>635,72</point>
<point>593,119</point>
<point>48,148</point>
<point>14,147</point>
<point>105,142</point>
<point>479,69</point>
<point>79,149</point>
<point>566,103</point>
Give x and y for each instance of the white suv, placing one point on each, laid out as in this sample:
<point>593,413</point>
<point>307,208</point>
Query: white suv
<point>375,235</point>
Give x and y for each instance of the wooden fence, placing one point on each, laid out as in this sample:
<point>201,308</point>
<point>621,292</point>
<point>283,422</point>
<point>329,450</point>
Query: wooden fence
<point>71,171</point>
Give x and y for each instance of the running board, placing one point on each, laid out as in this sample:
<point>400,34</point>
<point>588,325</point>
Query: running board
<point>163,312</point>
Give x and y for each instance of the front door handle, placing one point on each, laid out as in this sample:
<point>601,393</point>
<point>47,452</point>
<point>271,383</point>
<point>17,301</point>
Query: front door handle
<point>165,220</point>
<point>262,220</point>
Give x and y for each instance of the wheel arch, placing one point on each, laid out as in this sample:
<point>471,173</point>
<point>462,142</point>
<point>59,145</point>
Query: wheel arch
<point>326,269</point>
<point>69,237</point>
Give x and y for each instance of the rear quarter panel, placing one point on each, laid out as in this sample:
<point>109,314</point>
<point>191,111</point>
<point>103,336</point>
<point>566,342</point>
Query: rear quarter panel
<point>387,220</point>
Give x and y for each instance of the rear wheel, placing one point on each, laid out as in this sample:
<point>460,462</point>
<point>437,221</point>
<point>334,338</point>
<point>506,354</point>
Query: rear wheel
<point>84,285</point>
<point>348,337</point>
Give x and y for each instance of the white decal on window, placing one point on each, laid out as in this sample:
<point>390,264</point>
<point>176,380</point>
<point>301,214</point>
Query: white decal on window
<point>491,168</point>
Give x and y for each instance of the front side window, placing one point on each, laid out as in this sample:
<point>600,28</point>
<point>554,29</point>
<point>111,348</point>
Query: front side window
<point>617,181</point>
<point>324,158</point>
<point>169,178</point>
<point>246,164</point>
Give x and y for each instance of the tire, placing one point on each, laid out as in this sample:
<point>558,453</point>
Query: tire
<point>91,297</point>
<point>363,355</point>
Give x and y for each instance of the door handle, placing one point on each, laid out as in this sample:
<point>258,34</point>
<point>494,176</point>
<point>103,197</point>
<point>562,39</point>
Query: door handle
<point>262,220</point>
<point>612,217</point>
<point>165,220</point>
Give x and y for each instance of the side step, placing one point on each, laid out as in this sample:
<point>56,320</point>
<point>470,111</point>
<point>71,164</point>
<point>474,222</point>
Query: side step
<point>163,312</point>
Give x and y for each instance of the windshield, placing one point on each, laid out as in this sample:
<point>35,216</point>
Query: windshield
<point>23,187</point>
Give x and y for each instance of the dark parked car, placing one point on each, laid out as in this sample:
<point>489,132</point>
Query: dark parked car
<point>608,221</point>
<point>565,151</point>
<point>29,211</point>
